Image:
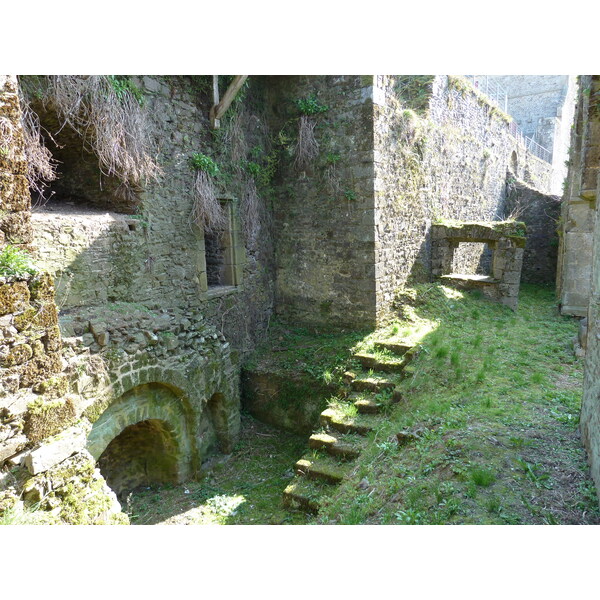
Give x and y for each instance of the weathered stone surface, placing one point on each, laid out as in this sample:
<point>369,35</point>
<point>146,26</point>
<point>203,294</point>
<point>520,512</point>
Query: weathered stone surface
<point>506,239</point>
<point>13,297</point>
<point>56,450</point>
<point>292,403</point>
<point>11,446</point>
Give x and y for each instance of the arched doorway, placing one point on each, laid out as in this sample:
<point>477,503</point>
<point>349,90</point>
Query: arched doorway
<point>143,454</point>
<point>143,438</point>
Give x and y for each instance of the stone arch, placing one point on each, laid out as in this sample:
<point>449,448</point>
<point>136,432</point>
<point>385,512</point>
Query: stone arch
<point>162,407</point>
<point>144,453</point>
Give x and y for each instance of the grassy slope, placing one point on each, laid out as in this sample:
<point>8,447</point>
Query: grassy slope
<point>498,395</point>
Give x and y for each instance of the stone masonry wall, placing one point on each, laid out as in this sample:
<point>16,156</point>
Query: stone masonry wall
<point>15,201</point>
<point>157,257</point>
<point>448,163</point>
<point>541,214</point>
<point>143,338</point>
<point>589,160</point>
<point>323,214</point>
<point>578,213</point>
<point>354,225</point>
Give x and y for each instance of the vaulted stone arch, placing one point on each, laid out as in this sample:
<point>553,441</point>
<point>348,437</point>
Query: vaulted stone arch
<point>149,411</point>
<point>188,409</point>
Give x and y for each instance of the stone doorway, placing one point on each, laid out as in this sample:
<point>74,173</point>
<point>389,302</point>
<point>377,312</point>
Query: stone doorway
<point>143,454</point>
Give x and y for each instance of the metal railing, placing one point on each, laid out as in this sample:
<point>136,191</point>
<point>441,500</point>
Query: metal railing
<point>499,96</point>
<point>530,144</point>
<point>492,89</point>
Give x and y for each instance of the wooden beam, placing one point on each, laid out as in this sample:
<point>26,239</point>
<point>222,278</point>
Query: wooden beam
<point>220,107</point>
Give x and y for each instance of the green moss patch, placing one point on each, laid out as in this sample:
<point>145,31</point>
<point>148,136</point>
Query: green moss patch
<point>48,417</point>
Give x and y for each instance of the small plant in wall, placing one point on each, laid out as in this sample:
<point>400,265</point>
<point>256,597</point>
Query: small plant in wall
<point>206,209</point>
<point>307,147</point>
<point>15,262</point>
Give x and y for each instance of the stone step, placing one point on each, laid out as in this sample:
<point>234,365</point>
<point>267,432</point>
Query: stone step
<point>367,406</point>
<point>398,348</point>
<point>325,469</point>
<point>304,494</point>
<point>385,365</point>
<point>372,384</point>
<point>332,418</point>
<point>335,445</point>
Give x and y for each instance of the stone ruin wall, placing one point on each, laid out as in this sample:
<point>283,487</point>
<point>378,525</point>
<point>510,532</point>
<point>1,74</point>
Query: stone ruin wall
<point>323,214</point>
<point>457,171</point>
<point>541,214</point>
<point>349,235</point>
<point>156,257</point>
<point>584,175</point>
<point>543,107</point>
<point>578,213</point>
<point>15,214</point>
<point>135,314</point>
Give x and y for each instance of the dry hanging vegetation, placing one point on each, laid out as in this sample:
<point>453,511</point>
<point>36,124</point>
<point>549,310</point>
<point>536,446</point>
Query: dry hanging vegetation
<point>41,168</point>
<point>107,113</point>
<point>207,211</point>
<point>307,147</point>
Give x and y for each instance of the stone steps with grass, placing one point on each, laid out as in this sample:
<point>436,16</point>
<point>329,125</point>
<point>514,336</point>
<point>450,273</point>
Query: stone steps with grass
<point>323,467</point>
<point>346,424</point>
<point>380,362</point>
<point>342,446</point>
<point>305,494</point>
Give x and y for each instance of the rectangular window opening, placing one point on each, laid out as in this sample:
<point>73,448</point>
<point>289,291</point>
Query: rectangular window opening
<point>473,258</point>
<point>222,251</point>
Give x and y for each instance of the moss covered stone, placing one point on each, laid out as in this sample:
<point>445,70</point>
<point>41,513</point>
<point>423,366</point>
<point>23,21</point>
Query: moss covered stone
<point>54,387</point>
<point>78,494</point>
<point>14,192</point>
<point>38,369</point>
<point>42,287</point>
<point>24,320</point>
<point>14,297</point>
<point>17,355</point>
<point>48,417</point>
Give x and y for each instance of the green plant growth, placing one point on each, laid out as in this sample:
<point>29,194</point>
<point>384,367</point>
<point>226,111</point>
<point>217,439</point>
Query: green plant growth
<point>123,85</point>
<point>15,262</point>
<point>496,395</point>
<point>414,91</point>
<point>310,105</point>
<point>202,162</point>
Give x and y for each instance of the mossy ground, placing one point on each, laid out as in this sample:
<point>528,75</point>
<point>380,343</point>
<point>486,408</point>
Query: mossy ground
<point>245,490</point>
<point>292,350</point>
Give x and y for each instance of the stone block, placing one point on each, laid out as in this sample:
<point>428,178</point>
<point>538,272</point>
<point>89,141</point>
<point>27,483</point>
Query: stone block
<point>11,446</point>
<point>55,450</point>
<point>511,277</point>
<point>14,192</point>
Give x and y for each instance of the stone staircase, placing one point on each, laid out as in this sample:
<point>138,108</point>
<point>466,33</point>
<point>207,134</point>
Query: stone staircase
<point>347,424</point>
